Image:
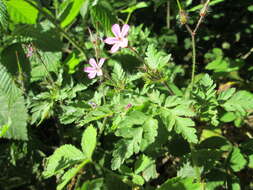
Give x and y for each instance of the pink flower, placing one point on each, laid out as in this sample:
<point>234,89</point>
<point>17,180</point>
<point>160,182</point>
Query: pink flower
<point>120,40</point>
<point>95,68</point>
<point>30,51</point>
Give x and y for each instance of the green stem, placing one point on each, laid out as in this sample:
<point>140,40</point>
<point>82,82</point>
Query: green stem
<point>179,5</point>
<point>57,26</point>
<point>128,17</point>
<point>79,167</point>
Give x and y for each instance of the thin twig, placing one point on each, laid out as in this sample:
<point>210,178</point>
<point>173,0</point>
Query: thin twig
<point>247,54</point>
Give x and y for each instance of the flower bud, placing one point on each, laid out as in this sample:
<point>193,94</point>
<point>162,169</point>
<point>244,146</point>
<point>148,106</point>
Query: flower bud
<point>203,11</point>
<point>183,17</point>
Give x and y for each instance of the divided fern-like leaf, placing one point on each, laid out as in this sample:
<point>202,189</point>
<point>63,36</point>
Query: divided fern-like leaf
<point>100,14</point>
<point>206,103</point>
<point>156,59</point>
<point>240,105</point>
<point>175,115</point>
<point>137,135</point>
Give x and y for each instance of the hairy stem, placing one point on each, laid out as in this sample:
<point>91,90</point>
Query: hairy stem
<point>128,17</point>
<point>193,61</point>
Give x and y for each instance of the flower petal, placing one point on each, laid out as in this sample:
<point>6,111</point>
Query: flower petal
<point>116,30</point>
<point>111,40</point>
<point>89,69</point>
<point>101,62</point>
<point>123,43</point>
<point>92,62</point>
<point>125,30</point>
<point>92,75</point>
<point>114,48</point>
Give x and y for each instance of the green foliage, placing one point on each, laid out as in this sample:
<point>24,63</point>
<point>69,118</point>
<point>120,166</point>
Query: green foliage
<point>219,64</point>
<point>73,12</point>
<point>240,105</point>
<point>237,161</point>
<point>3,14</point>
<point>155,59</point>
<point>63,157</point>
<point>135,139</point>
<point>21,12</point>
<point>13,111</point>
<point>102,17</point>
<point>67,156</point>
<point>135,7</point>
<point>180,183</point>
<point>206,103</point>
<point>89,141</point>
<point>174,115</point>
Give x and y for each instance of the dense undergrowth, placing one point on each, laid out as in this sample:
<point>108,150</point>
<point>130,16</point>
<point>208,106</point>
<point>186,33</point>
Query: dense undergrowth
<point>107,94</point>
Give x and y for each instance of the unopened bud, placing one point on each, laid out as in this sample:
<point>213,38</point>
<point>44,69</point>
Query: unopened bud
<point>183,17</point>
<point>203,11</point>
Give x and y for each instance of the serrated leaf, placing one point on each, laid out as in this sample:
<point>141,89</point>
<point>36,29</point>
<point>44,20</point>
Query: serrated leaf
<point>150,172</point>
<point>149,132</point>
<point>142,163</point>
<point>241,101</point>
<point>137,179</point>
<point>101,16</point>
<point>156,59</point>
<point>63,157</point>
<point>186,170</point>
<point>12,111</point>
<point>237,161</point>
<point>126,147</point>
<point>184,126</point>
<point>204,94</point>
<point>173,116</point>
<point>89,141</point>
<point>135,139</point>
<point>225,95</point>
<point>73,12</point>
<point>21,12</point>
<point>3,14</point>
